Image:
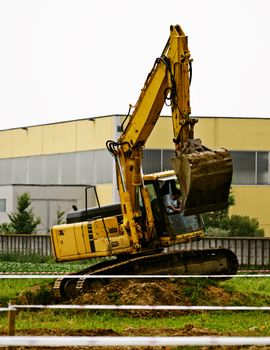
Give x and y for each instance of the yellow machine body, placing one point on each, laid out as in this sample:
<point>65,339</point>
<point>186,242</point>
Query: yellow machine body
<point>137,230</point>
<point>87,240</point>
<point>106,237</point>
<point>204,175</point>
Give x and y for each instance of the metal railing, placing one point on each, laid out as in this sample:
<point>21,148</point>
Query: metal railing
<point>26,244</point>
<point>250,251</point>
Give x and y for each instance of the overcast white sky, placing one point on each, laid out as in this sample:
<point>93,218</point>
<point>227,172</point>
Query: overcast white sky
<point>69,59</point>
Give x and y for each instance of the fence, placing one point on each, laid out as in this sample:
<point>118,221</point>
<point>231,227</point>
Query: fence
<point>26,244</point>
<point>11,341</point>
<point>250,251</point>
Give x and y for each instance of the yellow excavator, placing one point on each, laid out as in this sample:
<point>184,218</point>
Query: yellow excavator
<point>134,232</point>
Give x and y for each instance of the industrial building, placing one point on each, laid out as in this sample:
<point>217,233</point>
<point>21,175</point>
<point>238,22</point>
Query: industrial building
<point>56,162</point>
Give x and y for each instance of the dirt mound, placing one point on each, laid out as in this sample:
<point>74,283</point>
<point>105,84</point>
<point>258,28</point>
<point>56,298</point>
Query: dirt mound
<point>127,292</point>
<point>158,292</point>
<point>173,291</point>
<point>39,294</point>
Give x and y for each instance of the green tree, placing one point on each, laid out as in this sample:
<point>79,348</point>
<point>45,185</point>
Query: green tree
<point>60,216</point>
<point>5,227</point>
<point>215,218</point>
<point>23,220</point>
<point>220,223</point>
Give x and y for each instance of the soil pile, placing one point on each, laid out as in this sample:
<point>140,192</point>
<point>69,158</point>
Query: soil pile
<point>199,291</point>
<point>159,292</point>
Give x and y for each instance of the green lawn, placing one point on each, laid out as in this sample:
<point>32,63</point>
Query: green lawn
<point>228,323</point>
<point>254,291</point>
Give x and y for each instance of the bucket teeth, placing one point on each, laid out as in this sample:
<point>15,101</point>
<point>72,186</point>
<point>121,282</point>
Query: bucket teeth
<point>205,180</point>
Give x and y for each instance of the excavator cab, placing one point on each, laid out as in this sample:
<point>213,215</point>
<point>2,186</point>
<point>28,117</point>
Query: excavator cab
<point>171,224</point>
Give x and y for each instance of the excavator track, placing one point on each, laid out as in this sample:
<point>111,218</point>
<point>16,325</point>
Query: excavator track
<point>188,262</point>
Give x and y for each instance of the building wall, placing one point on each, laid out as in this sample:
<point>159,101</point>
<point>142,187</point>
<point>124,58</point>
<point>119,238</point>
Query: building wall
<point>162,135</point>
<point>74,136</point>
<point>74,152</point>
<point>84,167</point>
<point>238,135</point>
<point>231,133</point>
<point>253,201</point>
<point>6,195</point>
<point>46,201</point>
<point>92,134</point>
<point>105,193</point>
<point>234,133</point>
<point>242,134</point>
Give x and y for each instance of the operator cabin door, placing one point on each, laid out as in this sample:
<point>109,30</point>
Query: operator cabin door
<point>157,207</point>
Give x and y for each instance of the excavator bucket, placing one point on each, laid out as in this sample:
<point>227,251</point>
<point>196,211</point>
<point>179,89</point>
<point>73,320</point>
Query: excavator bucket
<point>205,180</point>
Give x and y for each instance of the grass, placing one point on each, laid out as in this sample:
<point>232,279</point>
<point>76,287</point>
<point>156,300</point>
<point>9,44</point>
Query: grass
<point>12,263</point>
<point>230,323</point>
<point>255,290</point>
<point>10,289</point>
<point>36,263</point>
<point>11,266</point>
<point>244,323</point>
<point>259,285</point>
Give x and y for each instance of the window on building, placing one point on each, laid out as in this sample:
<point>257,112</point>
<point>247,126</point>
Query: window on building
<point>167,155</point>
<point>250,168</point>
<point>262,168</point>
<point>151,161</point>
<point>157,160</point>
<point>244,167</point>
<point>2,205</point>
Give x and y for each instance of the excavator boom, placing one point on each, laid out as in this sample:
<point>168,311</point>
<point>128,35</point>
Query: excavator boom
<point>204,175</point>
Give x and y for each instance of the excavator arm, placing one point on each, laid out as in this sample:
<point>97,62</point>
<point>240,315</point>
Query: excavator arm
<point>204,175</point>
<point>168,82</point>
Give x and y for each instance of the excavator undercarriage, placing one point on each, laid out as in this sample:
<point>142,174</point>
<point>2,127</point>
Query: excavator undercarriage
<point>217,261</point>
<point>70,242</point>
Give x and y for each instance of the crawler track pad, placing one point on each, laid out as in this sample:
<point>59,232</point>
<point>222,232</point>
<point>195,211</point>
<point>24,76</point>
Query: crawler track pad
<point>189,262</point>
